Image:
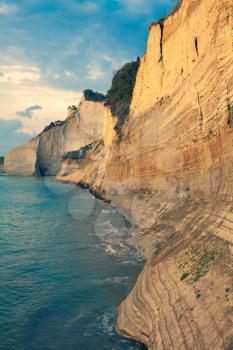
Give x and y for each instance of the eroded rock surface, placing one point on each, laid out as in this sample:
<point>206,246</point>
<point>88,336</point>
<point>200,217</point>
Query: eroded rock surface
<point>22,160</point>
<point>44,154</point>
<point>172,173</point>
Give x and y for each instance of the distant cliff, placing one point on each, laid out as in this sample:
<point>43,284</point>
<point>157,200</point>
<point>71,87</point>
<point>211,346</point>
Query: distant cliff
<point>22,160</point>
<point>43,155</point>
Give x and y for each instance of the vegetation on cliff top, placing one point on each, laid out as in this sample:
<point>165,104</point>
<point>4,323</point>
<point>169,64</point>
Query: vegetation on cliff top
<point>80,155</point>
<point>90,95</point>
<point>53,125</point>
<point>120,95</point>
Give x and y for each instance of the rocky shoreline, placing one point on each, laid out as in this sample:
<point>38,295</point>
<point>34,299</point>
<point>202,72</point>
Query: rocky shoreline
<point>184,293</point>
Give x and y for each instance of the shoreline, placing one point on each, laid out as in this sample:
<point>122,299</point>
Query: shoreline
<point>165,229</point>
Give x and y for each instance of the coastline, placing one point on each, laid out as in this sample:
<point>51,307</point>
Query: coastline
<point>166,232</point>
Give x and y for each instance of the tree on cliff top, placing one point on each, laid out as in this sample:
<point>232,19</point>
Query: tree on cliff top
<point>90,95</point>
<point>120,95</point>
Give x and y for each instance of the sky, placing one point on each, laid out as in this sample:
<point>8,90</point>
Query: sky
<point>51,50</point>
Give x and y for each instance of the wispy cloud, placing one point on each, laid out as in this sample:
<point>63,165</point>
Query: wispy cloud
<point>9,135</point>
<point>142,7</point>
<point>94,71</point>
<point>6,9</point>
<point>28,112</point>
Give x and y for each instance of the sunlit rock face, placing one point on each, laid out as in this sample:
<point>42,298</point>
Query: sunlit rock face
<point>179,131</point>
<point>22,160</point>
<point>172,172</point>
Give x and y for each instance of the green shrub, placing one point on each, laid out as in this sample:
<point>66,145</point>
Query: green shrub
<point>90,95</point>
<point>84,151</point>
<point>184,276</point>
<point>53,125</point>
<point>120,95</point>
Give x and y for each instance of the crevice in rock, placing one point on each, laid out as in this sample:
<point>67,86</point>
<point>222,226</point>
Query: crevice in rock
<point>196,45</point>
<point>161,24</point>
<point>200,119</point>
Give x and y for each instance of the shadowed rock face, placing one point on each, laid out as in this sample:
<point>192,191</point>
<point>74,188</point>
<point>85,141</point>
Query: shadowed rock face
<point>82,128</point>
<point>43,155</point>
<point>172,173</point>
<point>22,160</point>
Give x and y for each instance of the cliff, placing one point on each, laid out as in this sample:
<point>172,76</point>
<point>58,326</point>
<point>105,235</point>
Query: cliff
<point>82,128</point>
<point>171,171</point>
<point>44,154</point>
<point>22,160</point>
<point>162,151</point>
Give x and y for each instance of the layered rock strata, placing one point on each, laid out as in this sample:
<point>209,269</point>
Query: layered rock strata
<point>171,172</point>
<point>44,154</point>
<point>22,160</point>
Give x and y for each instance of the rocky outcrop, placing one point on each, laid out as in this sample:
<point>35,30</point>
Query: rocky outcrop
<point>171,172</point>
<point>85,167</point>
<point>22,160</point>
<point>44,154</point>
<point>81,128</point>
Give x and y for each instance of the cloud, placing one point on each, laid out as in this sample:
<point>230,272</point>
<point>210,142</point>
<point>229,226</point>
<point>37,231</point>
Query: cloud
<point>89,6</point>
<point>10,136</point>
<point>142,7</point>
<point>94,71</point>
<point>6,9</point>
<point>21,86</point>
<point>85,7</point>
<point>28,111</point>
<point>55,101</point>
<point>19,73</point>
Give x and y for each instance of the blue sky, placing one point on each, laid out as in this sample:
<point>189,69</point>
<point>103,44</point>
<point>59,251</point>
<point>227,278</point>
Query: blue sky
<point>51,50</point>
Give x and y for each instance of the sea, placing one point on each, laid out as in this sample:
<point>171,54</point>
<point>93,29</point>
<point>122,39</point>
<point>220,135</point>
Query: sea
<point>67,260</point>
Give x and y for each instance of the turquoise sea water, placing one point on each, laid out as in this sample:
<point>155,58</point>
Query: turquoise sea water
<point>65,266</point>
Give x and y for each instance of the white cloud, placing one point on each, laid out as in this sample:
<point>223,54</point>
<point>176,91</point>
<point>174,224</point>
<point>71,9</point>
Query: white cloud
<point>8,9</point>
<point>95,72</point>
<point>19,73</point>
<point>21,88</point>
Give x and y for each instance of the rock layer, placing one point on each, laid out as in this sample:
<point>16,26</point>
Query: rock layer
<point>172,173</point>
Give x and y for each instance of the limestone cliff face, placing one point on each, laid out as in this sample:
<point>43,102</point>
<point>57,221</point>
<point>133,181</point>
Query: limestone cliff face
<point>22,160</point>
<point>179,132</point>
<point>82,128</point>
<point>172,172</point>
<point>43,155</point>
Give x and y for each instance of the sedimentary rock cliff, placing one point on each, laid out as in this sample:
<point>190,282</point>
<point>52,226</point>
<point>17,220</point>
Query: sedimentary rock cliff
<point>43,155</point>
<point>82,128</point>
<point>171,170</point>
<point>22,160</point>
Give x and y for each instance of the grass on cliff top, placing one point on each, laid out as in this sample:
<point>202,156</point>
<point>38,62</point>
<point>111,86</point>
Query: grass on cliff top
<point>120,95</point>
<point>82,153</point>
